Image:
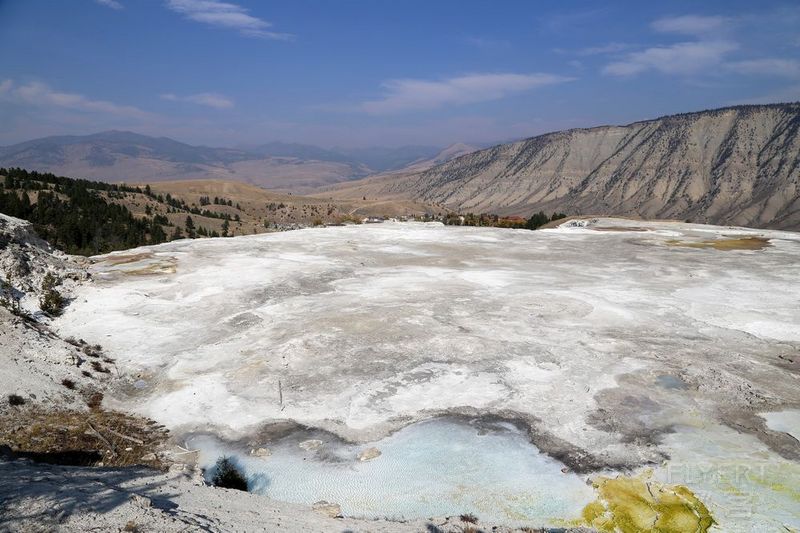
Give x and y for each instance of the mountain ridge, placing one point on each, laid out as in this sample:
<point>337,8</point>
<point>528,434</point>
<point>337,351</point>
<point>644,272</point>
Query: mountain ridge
<point>119,155</point>
<point>733,165</point>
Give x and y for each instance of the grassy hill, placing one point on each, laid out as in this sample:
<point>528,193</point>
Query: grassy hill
<point>89,217</point>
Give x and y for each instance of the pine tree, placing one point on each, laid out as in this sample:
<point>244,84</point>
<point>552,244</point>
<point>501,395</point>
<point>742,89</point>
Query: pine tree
<point>190,230</point>
<point>537,220</point>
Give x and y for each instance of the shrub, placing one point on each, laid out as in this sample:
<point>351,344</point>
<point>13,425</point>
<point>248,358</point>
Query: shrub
<point>9,298</point>
<point>97,367</point>
<point>68,383</point>
<point>469,517</point>
<point>88,350</point>
<point>94,400</point>
<point>51,301</point>
<point>50,281</point>
<point>228,476</point>
<point>15,399</point>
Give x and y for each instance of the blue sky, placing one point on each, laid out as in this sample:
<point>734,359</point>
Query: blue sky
<point>380,72</point>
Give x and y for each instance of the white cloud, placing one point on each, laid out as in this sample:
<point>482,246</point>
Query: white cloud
<point>709,53</point>
<point>691,24</point>
<point>610,48</point>
<point>113,4</point>
<point>39,94</point>
<point>679,58</point>
<point>789,68</point>
<point>570,21</point>
<point>411,94</point>
<point>487,44</point>
<point>214,100</point>
<point>226,15</point>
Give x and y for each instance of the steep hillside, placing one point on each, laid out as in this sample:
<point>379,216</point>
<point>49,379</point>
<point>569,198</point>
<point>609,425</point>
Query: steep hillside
<point>451,152</point>
<point>737,165</point>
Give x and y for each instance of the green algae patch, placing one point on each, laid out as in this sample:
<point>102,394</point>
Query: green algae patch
<point>739,243</point>
<point>635,504</point>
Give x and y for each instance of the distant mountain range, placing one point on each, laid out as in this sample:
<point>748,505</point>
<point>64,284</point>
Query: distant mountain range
<point>125,156</point>
<point>736,165</point>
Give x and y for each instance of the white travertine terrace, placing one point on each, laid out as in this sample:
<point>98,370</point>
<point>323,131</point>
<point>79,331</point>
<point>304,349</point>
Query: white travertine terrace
<point>609,338</point>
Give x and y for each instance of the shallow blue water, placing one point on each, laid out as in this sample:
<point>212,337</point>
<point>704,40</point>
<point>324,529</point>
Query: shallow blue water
<point>433,468</point>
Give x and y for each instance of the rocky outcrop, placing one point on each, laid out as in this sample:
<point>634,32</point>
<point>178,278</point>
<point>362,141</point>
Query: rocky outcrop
<point>25,260</point>
<point>737,165</point>
<point>35,363</point>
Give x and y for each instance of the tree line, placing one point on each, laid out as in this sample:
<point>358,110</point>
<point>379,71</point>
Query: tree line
<point>74,217</point>
<point>536,221</point>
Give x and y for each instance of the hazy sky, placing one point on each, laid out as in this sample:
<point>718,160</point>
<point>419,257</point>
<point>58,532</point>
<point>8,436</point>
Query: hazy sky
<point>380,72</point>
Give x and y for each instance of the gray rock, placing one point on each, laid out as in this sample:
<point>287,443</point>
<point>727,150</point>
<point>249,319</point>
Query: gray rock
<point>311,444</point>
<point>141,501</point>
<point>330,509</point>
<point>260,452</point>
<point>369,454</point>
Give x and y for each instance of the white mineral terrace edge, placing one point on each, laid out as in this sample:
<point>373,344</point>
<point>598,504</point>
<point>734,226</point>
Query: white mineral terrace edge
<point>621,345</point>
